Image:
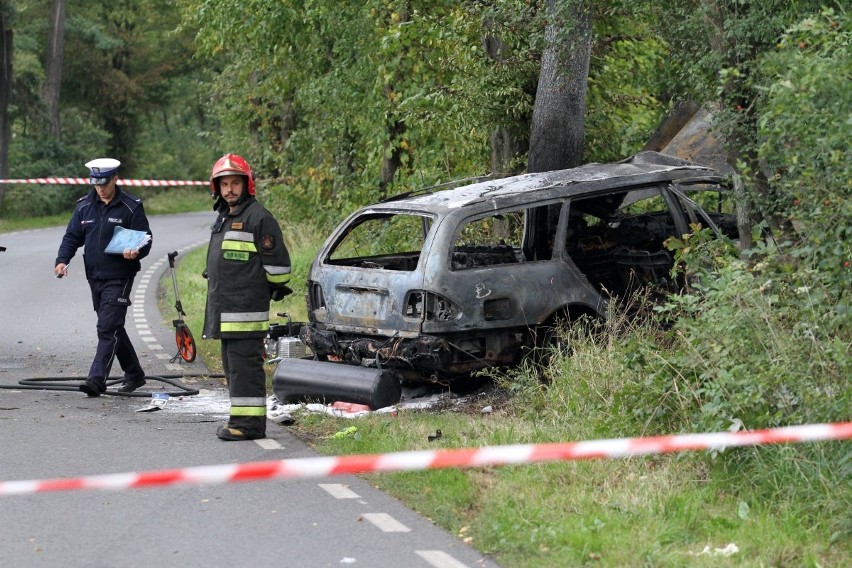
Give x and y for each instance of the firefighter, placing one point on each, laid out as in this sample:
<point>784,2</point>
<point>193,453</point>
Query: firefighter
<point>110,276</point>
<point>247,267</point>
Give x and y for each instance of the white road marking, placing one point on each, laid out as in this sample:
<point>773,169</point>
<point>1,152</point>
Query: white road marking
<point>386,523</point>
<point>269,444</point>
<point>339,491</point>
<point>439,559</point>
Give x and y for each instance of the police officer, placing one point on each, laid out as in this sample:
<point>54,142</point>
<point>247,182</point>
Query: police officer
<point>110,276</point>
<point>247,266</point>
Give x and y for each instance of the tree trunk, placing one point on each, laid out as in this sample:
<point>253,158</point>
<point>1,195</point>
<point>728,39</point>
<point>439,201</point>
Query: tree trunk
<point>558,123</point>
<point>53,65</point>
<point>5,91</point>
<point>392,159</point>
<point>396,128</point>
<point>738,93</point>
<point>505,146</point>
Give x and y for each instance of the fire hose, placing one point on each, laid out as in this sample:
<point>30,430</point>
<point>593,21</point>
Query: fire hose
<point>59,384</point>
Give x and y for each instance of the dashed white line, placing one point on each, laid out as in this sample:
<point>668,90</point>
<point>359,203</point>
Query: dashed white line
<point>439,559</point>
<point>269,444</point>
<point>339,491</point>
<point>385,522</point>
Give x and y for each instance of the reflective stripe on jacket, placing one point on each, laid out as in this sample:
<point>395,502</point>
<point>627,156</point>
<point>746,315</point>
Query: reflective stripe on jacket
<point>246,260</point>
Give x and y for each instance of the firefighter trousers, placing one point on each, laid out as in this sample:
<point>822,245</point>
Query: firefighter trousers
<point>242,362</point>
<point>111,298</point>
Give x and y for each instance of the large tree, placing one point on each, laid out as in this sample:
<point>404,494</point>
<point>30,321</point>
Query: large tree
<point>6,37</point>
<point>558,122</point>
<point>53,65</point>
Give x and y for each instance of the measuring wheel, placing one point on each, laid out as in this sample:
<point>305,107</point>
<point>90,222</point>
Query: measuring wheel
<point>183,337</point>
<point>185,342</point>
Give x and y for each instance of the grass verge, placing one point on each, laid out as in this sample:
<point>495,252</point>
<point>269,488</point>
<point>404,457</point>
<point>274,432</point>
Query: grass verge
<point>691,509</point>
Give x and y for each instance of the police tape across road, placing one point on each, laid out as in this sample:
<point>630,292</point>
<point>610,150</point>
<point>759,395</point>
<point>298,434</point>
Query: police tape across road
<point>436,459</point>
<point>85,181</point>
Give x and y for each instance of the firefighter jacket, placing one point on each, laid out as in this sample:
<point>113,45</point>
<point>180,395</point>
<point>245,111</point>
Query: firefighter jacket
<point>247,264</point>
<point>92,226</point>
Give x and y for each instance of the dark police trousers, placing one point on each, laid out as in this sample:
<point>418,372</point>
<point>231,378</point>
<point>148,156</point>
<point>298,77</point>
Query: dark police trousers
<point>111,298</point>
<point>242,361</point>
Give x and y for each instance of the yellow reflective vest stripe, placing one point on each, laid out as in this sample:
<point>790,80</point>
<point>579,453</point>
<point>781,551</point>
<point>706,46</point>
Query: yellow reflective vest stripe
<point>244,321</point>
<point>238,245</point>
<point>248,410</point>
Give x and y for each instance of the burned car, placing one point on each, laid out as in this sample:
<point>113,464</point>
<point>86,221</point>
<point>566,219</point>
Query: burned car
<point>431,286</point>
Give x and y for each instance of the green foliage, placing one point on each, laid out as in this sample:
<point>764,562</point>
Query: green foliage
<point>626,92</point>
<point>735,354</point>
<point>805,142</point>
<point>129,90</point>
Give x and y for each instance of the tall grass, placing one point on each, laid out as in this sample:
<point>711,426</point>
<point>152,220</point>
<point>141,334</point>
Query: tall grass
<point>652,511</point>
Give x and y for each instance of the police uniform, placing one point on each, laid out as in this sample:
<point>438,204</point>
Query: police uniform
<point>110,276</point>
<point>247,266</point>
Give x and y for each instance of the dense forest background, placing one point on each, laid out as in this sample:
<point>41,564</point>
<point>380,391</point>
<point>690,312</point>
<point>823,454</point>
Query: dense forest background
<point>348,104</point>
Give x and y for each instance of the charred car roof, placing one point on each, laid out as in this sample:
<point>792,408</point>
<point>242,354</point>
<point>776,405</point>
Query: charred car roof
<point>644,168</point>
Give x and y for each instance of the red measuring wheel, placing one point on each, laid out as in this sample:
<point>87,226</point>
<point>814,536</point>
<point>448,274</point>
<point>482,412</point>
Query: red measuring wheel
<point>183,337</point>
<point>185,342</point>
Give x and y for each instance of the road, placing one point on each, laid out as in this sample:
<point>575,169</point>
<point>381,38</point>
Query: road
<point>47,329</point>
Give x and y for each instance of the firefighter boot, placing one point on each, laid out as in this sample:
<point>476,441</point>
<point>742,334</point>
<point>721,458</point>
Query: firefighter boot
<point>230,434</point>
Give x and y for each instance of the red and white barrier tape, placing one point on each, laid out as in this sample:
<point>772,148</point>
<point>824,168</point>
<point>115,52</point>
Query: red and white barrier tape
<point>85,181</point>
<point>435,459</point>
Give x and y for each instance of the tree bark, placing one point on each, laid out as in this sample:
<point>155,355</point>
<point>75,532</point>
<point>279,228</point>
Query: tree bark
<point>558,123</point>
<point>6,36</point>
<point>53,66</point>
<point>395,128</point>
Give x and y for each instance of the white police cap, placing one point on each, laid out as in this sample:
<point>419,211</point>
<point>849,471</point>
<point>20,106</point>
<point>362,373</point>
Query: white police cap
<point>101,170</point>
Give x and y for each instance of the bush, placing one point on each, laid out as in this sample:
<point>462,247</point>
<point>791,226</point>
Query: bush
<point>805,131</point>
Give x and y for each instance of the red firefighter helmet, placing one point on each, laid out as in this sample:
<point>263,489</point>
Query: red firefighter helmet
<point>231,165</point>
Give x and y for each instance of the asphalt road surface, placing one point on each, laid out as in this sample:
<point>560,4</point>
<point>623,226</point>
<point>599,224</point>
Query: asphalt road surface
<point>47,330</point>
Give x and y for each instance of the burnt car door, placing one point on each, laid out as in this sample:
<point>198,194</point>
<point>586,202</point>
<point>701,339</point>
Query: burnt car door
<point>498,272</point>
<point>617,239</point>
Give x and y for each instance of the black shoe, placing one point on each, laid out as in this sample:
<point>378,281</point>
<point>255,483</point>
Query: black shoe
<point>236,435</point>
<point>93,389</point>
<point>130,385</point>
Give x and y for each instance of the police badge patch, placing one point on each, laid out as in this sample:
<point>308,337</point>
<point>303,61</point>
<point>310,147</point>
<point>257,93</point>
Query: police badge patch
<point>267,242</point>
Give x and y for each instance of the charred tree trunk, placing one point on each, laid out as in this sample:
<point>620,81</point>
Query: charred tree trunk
<point>558,123</point>
<point>53,66</point>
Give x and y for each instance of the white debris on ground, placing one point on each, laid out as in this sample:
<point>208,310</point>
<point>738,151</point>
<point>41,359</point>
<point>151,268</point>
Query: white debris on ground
<point>417,398</point>
<point>729,550</point>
